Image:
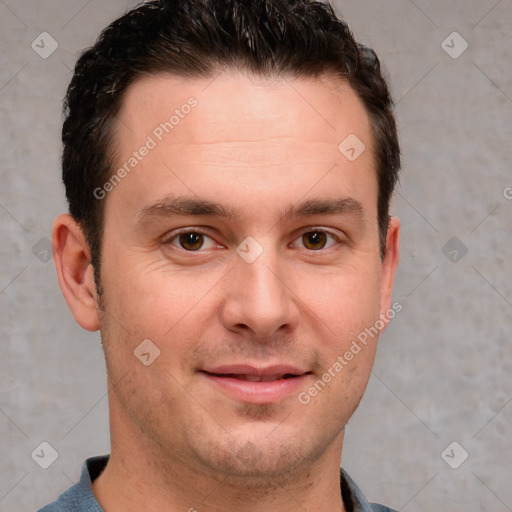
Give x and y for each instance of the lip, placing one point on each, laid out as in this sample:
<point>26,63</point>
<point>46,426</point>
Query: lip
<point>253,391</point>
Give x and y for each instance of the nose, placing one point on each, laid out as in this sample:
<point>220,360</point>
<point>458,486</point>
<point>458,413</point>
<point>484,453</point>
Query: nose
<point>260,299</point>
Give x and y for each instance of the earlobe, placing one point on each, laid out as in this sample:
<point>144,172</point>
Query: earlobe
<point>74,271</point>
<point>389,265</point>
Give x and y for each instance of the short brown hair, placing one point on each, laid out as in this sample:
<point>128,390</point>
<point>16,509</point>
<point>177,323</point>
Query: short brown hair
<point>194,38</point>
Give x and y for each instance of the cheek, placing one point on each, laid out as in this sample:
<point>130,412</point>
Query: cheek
<point>346,301</point>
<point>152,300</point>
<point>342,311</point>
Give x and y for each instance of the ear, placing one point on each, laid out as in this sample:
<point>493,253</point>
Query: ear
<point>74,270</point>
<point>389,266</point>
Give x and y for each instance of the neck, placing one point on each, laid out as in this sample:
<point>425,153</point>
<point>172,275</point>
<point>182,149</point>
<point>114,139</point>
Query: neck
<point>140,476</point>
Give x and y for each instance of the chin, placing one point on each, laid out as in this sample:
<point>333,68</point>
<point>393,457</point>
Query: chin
<point>261,462</point>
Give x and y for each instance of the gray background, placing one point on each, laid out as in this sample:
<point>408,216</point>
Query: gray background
<point>443,370</point>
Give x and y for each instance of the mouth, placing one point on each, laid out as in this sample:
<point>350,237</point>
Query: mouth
<point>255,385</point>
<point>254,377</point>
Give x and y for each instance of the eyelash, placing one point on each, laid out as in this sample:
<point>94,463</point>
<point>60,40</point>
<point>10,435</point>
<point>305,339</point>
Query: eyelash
<point>175,237</point>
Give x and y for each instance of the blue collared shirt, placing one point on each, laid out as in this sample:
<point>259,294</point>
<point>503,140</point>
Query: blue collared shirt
<point>80,497</point>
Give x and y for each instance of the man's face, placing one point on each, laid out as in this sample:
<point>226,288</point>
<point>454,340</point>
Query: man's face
<point>249,159</point>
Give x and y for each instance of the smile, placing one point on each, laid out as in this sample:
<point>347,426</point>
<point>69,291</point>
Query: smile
<point>256,378</point>
<point>257,385</point>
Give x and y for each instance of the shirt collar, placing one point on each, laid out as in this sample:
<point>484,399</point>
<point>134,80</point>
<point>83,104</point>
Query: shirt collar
<point>353,498</point>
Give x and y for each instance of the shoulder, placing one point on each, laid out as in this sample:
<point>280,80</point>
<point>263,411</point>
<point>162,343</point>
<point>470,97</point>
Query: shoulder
<point>79,497</point>
<point>375,507</point>
<point>53,507</point>
<point>354,499</point>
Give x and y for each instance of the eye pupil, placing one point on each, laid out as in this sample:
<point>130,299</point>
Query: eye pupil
<point>191,241</point>
<point>314,240</point>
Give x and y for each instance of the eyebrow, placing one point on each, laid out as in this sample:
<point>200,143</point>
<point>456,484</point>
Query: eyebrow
<point>189,206</point>
<point>341,206</point>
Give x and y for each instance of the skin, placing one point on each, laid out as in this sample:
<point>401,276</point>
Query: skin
<point>259,147</point>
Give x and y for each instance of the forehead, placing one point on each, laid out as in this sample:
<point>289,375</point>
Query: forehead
<point>322,107</point>
<point>226,136</point>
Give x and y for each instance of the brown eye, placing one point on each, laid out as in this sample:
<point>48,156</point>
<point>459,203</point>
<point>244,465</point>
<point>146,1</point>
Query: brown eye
<point>191,241</point>
<point>314,240</point>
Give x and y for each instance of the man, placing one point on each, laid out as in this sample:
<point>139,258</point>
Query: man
<point>229,166</point>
